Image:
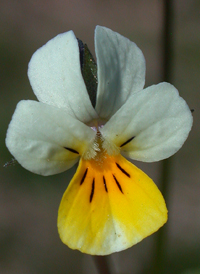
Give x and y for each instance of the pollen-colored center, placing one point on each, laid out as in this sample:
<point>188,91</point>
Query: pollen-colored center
<point>100,149</point>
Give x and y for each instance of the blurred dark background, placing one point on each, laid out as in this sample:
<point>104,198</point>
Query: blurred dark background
<point>29,242</point>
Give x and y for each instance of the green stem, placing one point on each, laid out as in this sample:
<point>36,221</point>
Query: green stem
<point>101,264</point>
<point>161,235</point>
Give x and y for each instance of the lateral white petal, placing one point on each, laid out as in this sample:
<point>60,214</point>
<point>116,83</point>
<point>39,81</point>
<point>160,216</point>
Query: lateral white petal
<point>121,70</point>
<point>39,135</point>
<point>55,76</point>
<point>158,119</point>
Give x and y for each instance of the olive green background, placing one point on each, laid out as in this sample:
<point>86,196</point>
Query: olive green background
<point>29,243</point>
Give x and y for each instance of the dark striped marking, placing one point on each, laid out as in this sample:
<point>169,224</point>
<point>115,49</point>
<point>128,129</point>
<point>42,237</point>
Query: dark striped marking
<point>125,143</point>
<point>84,175</point>
<point>92,191</point>
<point>72,150</point>
<point>122,170</point>
<point>118,184</point>
<point>104,182</point>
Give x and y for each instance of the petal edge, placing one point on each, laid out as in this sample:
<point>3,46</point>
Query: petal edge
<point>121,70</point>
<point>158,119</point>
<point>55,75</point>
<point>38,137</point>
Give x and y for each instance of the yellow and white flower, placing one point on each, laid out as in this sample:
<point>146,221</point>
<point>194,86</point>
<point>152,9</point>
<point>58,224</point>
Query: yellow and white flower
<point>110,204</point>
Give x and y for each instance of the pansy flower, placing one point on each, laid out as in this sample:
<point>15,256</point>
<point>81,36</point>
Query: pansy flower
<point>109,204</point>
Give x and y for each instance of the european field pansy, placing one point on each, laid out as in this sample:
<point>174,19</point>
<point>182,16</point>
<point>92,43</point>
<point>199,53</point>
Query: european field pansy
<point>110,204</point>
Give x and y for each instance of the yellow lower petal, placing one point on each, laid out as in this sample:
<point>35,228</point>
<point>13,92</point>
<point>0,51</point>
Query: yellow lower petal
<point>109,206</point>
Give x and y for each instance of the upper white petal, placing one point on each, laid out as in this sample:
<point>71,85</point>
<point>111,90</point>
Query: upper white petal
<point>121,70</point>
<point>158,119</point>
<point>38,134</point>
<point>55,76</point>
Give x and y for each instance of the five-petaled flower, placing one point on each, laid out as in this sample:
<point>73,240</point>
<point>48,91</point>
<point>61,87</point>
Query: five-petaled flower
<point>110,204</point>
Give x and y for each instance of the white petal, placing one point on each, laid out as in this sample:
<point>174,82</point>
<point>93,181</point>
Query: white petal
<point>158,119</point>
<point>121,70</point>
<point>39,134</point>
<point>55,76</point>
